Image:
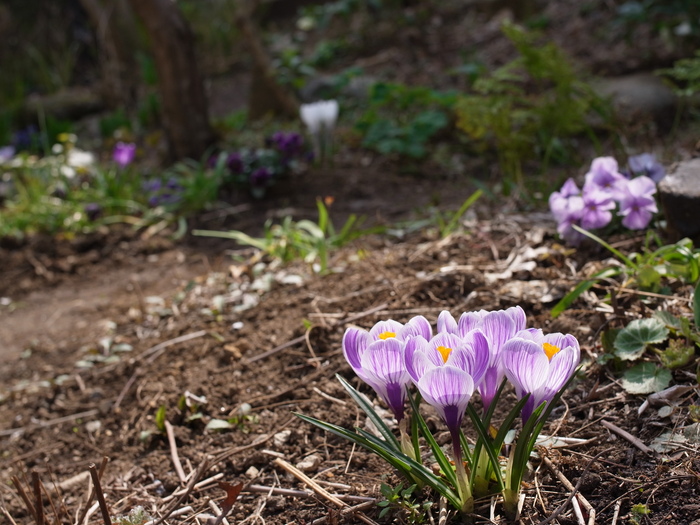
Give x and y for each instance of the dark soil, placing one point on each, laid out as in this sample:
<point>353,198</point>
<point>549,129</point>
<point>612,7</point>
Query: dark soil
<point>102,331</point>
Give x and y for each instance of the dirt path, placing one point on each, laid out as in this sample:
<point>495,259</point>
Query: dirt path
<point>79,309</point>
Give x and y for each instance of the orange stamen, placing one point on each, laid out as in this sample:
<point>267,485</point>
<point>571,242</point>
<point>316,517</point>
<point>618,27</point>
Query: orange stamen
<point>444,352</point>
<point>386,335</point>
<point>550,350</point>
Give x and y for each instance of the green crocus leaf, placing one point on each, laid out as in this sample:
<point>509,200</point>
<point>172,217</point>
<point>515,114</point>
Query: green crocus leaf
<point>632,340</point>
<point>645,378</point>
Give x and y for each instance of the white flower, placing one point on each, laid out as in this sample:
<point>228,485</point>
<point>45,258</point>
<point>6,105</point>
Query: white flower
<point>319,115</point>
<point>79,158</point>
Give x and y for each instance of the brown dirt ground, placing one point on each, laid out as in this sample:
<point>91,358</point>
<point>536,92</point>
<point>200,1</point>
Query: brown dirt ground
<point>71,393</point>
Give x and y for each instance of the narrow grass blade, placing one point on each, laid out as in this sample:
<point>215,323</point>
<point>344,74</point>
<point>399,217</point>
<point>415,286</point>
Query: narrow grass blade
<point>484,437</point>
<point>569,298</point>
<point>440,456</point>
<point>617,253</point>
<point>366,407</point>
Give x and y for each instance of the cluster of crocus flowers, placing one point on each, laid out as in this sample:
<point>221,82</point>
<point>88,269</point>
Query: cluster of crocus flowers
<point>605,188</point>
<point>477,352</point>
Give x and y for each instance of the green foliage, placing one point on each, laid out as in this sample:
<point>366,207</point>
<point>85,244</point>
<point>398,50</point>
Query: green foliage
<point>685,75</point>
<point>401,501</point>
<point>529,108</point>
<point>402,119</point>
<point>647,270</point>
<point>300,240</point>
<point>665,16</point>
<point>136,516</point>
<point>112,122</point>
<point>632,341</point>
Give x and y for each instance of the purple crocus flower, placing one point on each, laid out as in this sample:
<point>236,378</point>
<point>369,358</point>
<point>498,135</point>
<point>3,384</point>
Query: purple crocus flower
<point>446,369</point>
<point>605,175</point>
<point>637,204</point>
<point>377,357</point>
<point>498,327</point>
<point>646,164</point>
<point>124,153</point>
<point>597,206</point>
<point>539,365</point>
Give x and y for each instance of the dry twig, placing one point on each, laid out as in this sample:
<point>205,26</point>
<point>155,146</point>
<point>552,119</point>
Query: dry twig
<point>173,452</point>
<point>626,435</point>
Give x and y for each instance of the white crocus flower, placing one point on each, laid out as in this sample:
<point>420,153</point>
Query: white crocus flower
<point>320,118</point>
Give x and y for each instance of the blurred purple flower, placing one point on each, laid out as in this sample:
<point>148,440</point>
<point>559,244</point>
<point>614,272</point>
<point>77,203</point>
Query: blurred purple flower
<point>539,365</point>
<point>124,153</point>
<point>260,177</point>
<point>604,174</point>
<point>377,357</point>
<point>26,138</point>
<point>646,164</point>
<point>597,206</point>
<point>234,162</point>
<point>93,211</point>
<point>6,153</point>
<point>637,204</point>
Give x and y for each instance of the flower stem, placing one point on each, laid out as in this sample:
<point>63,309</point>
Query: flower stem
<point>463,483</point>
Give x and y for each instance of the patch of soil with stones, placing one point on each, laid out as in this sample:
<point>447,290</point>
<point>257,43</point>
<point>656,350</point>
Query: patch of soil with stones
<point>256,343</point>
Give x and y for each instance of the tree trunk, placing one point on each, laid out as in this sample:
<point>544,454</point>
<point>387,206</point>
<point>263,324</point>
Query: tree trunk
<point>266,94</point>
<point>115,28</point>
<point>180,85</point>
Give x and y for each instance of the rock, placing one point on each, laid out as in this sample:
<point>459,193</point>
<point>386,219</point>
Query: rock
<point>281,438</point>
<point>309,463</point>
<point>640,97</point>
<point>679,195</point>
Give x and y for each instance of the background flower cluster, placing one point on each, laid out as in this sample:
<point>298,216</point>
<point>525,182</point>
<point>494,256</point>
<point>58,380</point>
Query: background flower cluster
<point>258,168</point>
<point>605,189</point>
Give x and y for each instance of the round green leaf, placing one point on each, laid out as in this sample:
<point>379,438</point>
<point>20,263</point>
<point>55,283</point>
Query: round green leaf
<point>632,340</point>
<point>645,378</point>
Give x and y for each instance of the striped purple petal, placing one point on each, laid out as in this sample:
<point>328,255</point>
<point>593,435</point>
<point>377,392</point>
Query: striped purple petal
<point>448,390</point>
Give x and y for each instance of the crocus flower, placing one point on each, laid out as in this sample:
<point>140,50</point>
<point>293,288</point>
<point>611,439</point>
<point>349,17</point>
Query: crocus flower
<point>124,153</point>
<point>539,365</point>
<point>377,357</point>
<point>319,115</point>
<point>498,327</point>
<point>646,164</point>
<point>637,204</point>
<point>446,369</point>
<point>605,175</point>
<point>319,118</point>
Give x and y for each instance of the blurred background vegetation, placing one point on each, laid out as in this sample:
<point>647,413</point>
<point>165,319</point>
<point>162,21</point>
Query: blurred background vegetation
<point>201,87</point>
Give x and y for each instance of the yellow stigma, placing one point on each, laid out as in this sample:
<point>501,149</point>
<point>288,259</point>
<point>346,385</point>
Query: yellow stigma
<point>444,352</point>
<point>550,350</point>
<point>387,335</point>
